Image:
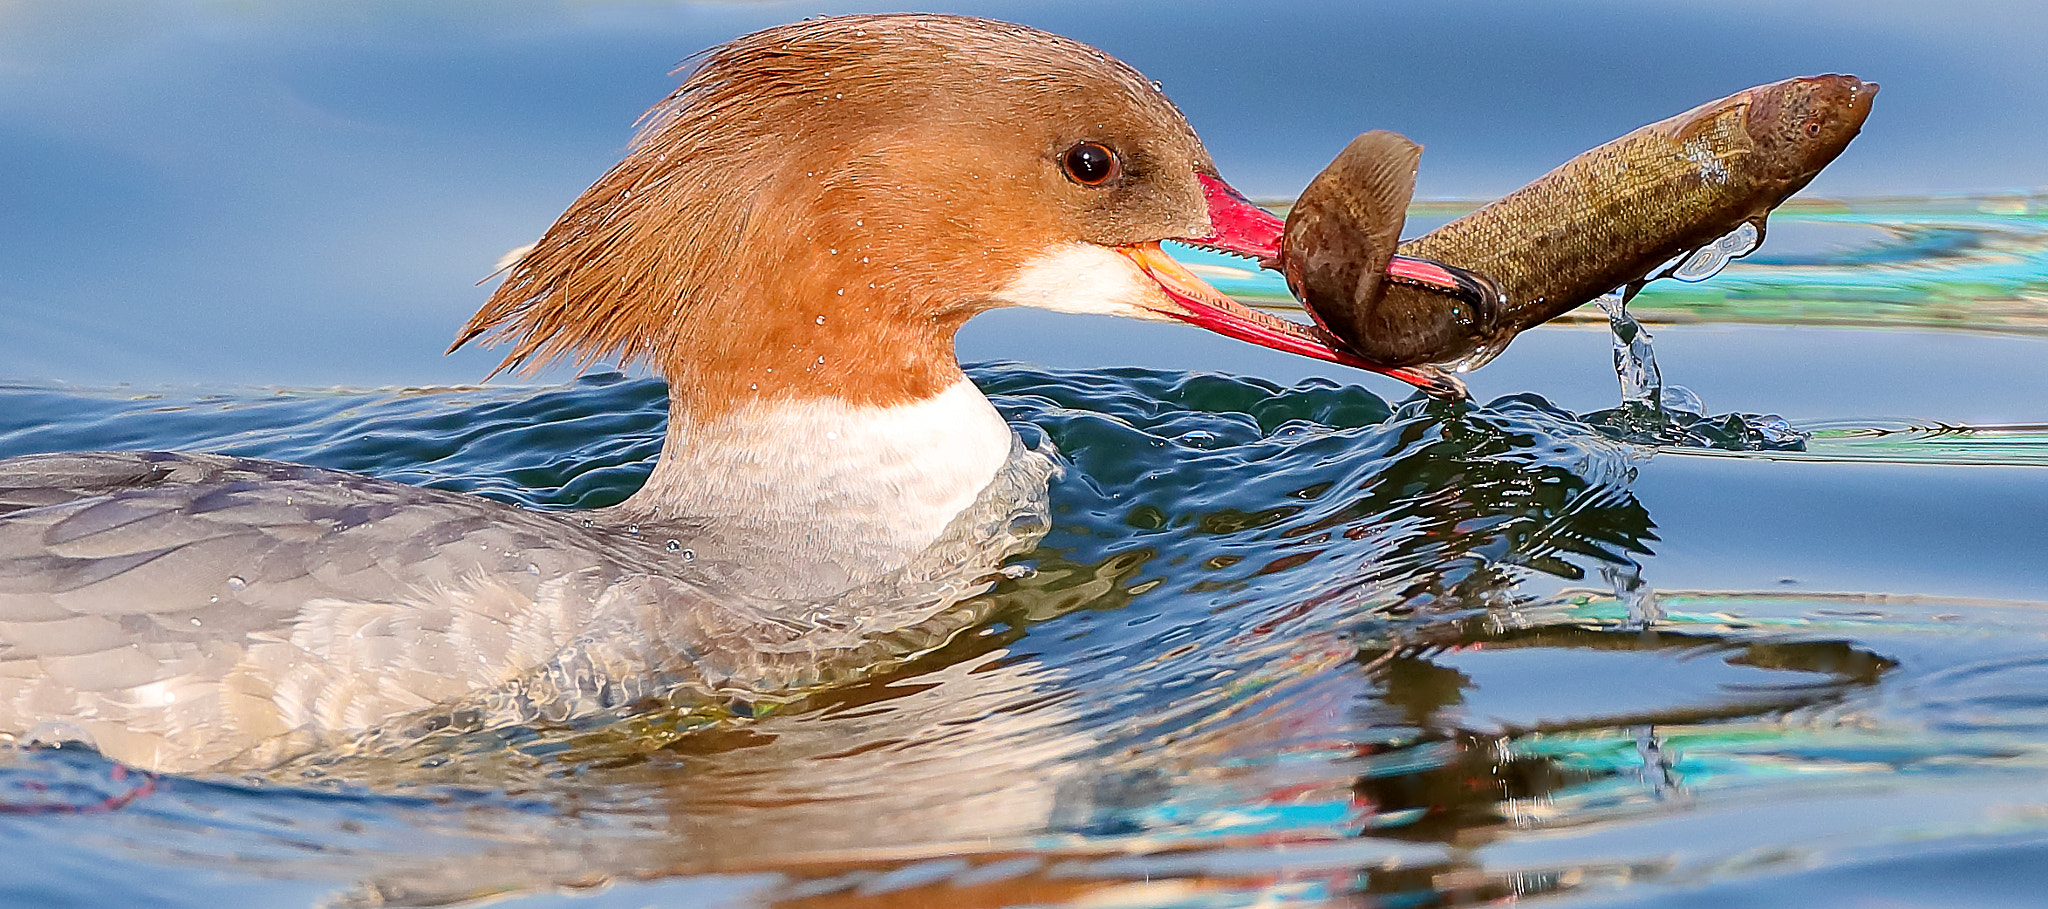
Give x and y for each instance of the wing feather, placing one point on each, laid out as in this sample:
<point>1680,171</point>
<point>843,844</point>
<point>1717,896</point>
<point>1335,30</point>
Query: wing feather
<point>186,608</point>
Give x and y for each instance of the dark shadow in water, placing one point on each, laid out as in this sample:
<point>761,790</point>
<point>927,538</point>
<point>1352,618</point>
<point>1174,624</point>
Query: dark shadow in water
<point>1454,781</point>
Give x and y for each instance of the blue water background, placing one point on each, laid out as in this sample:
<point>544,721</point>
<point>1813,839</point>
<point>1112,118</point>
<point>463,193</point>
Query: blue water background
<point>309,193</point>
<point>1295,639</point>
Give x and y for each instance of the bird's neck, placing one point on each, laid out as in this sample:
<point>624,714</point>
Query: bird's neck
<point>820,494</point>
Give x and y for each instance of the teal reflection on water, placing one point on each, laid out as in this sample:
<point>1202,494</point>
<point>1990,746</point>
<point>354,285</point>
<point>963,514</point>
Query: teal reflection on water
<point>1976,263</point>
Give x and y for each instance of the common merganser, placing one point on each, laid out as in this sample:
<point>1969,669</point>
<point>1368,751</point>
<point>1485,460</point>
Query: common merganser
<point>792,241</point>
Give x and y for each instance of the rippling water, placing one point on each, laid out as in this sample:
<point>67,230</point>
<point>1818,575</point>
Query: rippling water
<point>1285,645</point>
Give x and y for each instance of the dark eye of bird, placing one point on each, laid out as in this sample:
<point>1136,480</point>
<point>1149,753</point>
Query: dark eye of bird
<point>1091,164</point>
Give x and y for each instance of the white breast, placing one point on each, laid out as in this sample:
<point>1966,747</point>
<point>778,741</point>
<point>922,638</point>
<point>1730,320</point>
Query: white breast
<point>837,495</point>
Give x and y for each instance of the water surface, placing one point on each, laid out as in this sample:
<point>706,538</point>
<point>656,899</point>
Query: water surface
<point>1295,638</point>
<point>1287,644</point>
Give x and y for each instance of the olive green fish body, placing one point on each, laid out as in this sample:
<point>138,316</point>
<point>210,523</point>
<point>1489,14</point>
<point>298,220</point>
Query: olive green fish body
<point>1610,217</point>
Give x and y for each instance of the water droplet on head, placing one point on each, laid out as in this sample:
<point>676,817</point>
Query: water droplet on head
<point>235,582</point>
<point>689,555</point>
<point>195,622</point>
<point>821,320</point>
<point>633,528</point>
<point>675,546</point>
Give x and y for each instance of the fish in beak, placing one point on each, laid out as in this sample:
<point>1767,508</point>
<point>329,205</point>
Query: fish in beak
<point>1244,229</point>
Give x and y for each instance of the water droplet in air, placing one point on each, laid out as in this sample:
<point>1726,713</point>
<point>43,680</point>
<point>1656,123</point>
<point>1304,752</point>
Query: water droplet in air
<point>1680,399</point>
<point>56,734</point>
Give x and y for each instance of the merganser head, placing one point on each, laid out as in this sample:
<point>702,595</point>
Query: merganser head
<point>819,207</point>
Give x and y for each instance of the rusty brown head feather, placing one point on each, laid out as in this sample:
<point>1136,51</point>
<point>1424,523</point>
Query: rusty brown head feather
<point>875,160</point>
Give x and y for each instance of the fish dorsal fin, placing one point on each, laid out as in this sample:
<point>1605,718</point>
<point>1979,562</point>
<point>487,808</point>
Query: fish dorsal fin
<point>1349,222</point>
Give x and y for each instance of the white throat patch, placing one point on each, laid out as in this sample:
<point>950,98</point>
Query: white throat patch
<point>1084,278</point>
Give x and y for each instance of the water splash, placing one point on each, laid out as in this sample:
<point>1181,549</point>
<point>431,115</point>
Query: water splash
<point>1635,361</point>
<point>1655,413</point>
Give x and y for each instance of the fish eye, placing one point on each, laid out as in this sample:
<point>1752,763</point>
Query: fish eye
<point>1091,164</point>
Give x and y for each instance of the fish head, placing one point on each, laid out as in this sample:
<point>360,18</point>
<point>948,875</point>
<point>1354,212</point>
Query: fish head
<point>1799,125</point>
